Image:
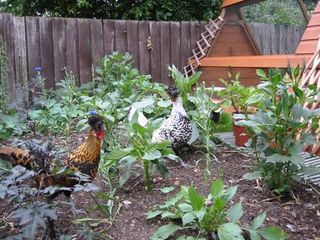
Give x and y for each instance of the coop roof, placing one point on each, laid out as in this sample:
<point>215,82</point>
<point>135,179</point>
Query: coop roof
<point>310,37</point>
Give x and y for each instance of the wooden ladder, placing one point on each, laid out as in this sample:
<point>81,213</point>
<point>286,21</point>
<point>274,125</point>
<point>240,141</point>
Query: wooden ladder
<point>203,46</point>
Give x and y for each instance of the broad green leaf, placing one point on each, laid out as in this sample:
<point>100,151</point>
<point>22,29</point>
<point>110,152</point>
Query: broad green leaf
<point>188,218</point>
<point>167,189</point>
<point>229,194</point>
<point>117,153</point>
<point>144,103</point>
<point>200,214</point>
<point>165,231</point>
<point>235,212</point>
<point>168,215</point>
<point>256,223</point>
<point>196,200</point>
<point>185,207</point>
<point>152,155</point>
<point>298,92</point>
<point>139,129</point>
<point>230,231</point>
<point>261,74</point>
<point>272,233</point>
<point>219,204</point>
<point>253,234</point>
<point>216,188</point>
<point>184,237</point>
<point>152,214</point>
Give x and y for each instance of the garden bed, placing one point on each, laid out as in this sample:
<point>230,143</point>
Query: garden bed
<point>298,216</point>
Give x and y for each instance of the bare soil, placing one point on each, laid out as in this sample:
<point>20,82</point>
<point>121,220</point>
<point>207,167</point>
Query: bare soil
<point>299,215</point>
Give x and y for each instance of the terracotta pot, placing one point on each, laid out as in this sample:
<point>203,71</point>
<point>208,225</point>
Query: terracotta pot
<point>241,137</point>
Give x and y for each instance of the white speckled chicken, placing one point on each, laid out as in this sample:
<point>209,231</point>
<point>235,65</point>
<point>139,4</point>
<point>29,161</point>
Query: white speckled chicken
<point>177,128</point>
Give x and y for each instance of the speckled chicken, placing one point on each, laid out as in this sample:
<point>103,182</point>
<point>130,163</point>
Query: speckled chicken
<point>84,159</point>
<point>177,128</point>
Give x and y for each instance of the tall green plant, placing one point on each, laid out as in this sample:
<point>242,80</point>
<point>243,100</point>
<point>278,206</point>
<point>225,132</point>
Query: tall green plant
<point>278,123</point>
<point>210,215</point>
<point>201,116</point>
<point>184,84</point>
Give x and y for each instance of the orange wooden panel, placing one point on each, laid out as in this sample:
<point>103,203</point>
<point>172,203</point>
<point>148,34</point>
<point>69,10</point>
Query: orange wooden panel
<point>266,61</point>
<point>227,3</point>
<point>315,20</point>
<point>311,33</point>
<point>317,9</point>
<point>307,47</point>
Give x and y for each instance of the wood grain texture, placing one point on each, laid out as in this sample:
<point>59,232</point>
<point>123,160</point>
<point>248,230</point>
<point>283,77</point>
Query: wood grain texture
<point>59,48</point>
<point>72,48</point>
<point>121,43</point>
<point>20,52</point>
<point>175,45</point>
<point>108,36</point>
<point>8,38</point>
<point>84,50</point>
<point>144,52</point>
<point>33,45</point>
<point>165,51</point>
<point>133,41</point>
<point>155,51</point>
<point>97,49</point>
<point>46,51</point>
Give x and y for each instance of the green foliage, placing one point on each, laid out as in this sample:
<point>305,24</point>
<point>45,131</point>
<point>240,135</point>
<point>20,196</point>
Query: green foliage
<point>238,96</point>
<point>184,84</point>
<point>201,116</point>
<point>167,10</point>
<point>276,12</point>
<point>277,124</point>
<point>142,150</point>
<point>210,215</point>
<point>55,111</point>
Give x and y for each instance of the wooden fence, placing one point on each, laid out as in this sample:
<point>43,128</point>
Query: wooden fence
<point>78,44</point>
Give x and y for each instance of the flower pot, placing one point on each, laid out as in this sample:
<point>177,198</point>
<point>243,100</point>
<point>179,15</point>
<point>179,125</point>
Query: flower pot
<point>241,137</point>
<point>239,132</point>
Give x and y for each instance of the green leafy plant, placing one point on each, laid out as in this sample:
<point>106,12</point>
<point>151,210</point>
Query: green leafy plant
<point>238,96</point>
<point>141,149</point>
<point>277,124</point>
<point>201,116</point>
<point>184,84</point>
<point>210,215</point>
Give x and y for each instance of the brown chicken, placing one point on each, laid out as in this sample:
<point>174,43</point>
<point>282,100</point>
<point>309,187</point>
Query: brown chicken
<point>84,159</point>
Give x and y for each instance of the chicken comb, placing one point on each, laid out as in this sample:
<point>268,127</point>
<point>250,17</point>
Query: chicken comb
<point>173,91</point>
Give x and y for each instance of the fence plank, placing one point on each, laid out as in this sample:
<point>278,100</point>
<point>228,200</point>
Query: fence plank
<point>59,47</point>
<point>9,46</point>
<point>165,51</point>
<point>185,42</point>
<point>108,36</point>
<point>96,41</point>
<point>133,41</point>
<point>144,53</point>
<point>156,51</point>
<point>46,51</point>
<point>194,33</point>
<point>20,52</point>
<point>33,45</point>
<point>121,36</point>
<point>84,50</point>
<point>175,44</point>
<point>72,48</point>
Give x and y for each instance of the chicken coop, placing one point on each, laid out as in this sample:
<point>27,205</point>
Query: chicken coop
<point>228,45</point>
